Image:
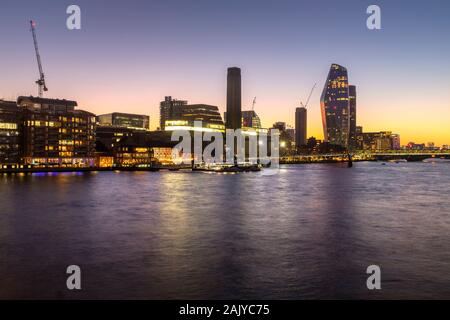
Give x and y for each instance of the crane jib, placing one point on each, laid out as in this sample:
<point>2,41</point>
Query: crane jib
<point>41,81</point>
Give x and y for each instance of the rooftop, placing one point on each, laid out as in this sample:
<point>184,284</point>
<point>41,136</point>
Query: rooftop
<point>63,102</point>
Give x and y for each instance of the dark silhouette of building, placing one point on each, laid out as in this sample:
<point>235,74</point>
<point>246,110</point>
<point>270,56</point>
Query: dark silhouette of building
<point>281,126</point>
<point>109,136</point>
<point>167,110</point>
<point>300,126</point>
<point>353,143</point>
<point>326,147</point>
<point>124,120</point>
<point>335,107</point>
<point>312,143</point>
<point>234,114</point>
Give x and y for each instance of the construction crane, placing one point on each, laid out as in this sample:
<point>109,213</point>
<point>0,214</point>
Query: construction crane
<point>41,82</point>
<point>253,104</point>
<point>309,97</point>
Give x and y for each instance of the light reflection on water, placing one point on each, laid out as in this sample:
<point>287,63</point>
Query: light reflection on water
<point>308,232</point>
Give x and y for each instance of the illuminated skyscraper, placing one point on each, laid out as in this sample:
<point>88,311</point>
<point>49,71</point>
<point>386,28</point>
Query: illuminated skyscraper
<point>352,105</point>
<point>335,107</point>
<point>234,114</point>
<point>300,126</point>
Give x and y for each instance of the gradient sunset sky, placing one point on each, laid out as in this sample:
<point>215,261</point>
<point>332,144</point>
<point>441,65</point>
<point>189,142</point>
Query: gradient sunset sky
<point>130,54</point>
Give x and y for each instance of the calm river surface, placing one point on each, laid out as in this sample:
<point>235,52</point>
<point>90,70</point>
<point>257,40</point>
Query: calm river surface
<point>308,232</point>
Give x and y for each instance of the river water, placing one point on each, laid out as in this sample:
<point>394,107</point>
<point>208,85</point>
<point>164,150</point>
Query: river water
<point>309,231</point>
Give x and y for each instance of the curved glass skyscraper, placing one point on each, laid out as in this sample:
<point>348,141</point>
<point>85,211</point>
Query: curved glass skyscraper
<point>335,107</point>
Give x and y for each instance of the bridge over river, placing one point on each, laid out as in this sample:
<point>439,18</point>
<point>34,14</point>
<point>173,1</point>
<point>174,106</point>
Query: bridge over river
<point>369,156</point>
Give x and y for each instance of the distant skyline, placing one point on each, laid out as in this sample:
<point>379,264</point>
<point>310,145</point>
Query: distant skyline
<point>129,55</point>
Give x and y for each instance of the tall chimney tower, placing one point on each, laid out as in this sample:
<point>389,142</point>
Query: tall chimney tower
<point>234,115</point>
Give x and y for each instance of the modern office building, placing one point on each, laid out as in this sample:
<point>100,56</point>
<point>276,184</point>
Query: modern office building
<point>10,137</point>
<point>359,138</point>
<point>352,105</point>
<point>335,107</point>
<point>415,146</point>
<point>377,141</point>
<point>201,112</point>
<point>168,110</point>
<point>286,138</point>
<point>108,136</point>
<point>250,119</point>
<point>133,151</point>
<point>144,149</point>
<point>124,120</point>
<point>234,114</point>
<point>300,127</point>
<point>395,139</point>
<point>185,116</point>
<point>55,134</point>
<point>291,133</point>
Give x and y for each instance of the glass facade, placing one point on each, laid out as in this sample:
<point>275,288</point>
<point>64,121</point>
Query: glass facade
<point>125,120</point>
<point>250,119</point>
<point>184,117</point>
<point>335,107</point>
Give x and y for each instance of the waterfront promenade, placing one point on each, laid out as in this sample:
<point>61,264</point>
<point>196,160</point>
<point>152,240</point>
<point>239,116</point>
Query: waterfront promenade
<point>295,159</point>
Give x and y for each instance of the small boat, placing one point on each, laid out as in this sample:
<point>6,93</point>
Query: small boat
<point>227,168</point>
<point>350,161</point>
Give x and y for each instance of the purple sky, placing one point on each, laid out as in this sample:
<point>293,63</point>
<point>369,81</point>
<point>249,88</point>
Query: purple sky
<point>130,54</point>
